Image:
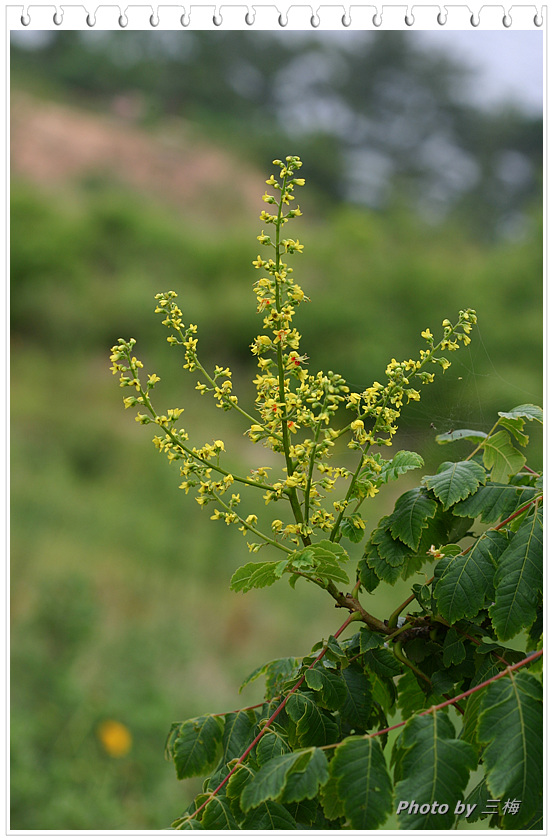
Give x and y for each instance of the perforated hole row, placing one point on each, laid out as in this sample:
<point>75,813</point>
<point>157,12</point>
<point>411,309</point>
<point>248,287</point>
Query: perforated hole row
<point>315,20</point>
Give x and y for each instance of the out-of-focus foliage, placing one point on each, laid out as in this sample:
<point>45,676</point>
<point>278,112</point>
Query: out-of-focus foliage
<point>392,115</point>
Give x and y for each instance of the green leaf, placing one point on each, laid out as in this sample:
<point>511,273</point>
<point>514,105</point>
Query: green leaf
<point>467,580</point>
<point>190,824</point>
<point>362,782</point>
<point>411,697</point>
<point>238,733</point>
<point>379,566</point>
<point>411,511</point>
<point>369,639</point>
<point>518,580</point>
<point>256,576</point>
<point>382,662</point>
<point>455,481</point>
<point>461,434</point>
<point>515,425</point>
<point>195,748</point>
<point>331,686</point>
<point>272,744</point>
<point>305,785</point>
<point>270,780</point>
<point>327,568</point>
<point>314,726</point>
<point>357,704</point>
<point>402,462</point>
<point>501,457</point>
<point>494,502</point>
<point>511,725</point>
<point>217,816</point>
<point>323,548</point>
<point>269,816</point>
<point>435,767</point>
<point>276,671</point>
<point>333,806</point>
<point>353,528</point>
<point>368,577</point>
<point>528,411</point>
<point>454,650</point>
<point>392,551</point>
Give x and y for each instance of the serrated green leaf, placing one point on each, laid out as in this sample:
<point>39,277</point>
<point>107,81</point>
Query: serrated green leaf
<point>511,726</point>
<point>368,577</point>
<point>402,462</point>
<point>330,686</point>
<point>357,703</point>
<point>271,779</point>
<point>515,425</point>
<point>411,697</point>
<point>305,785</point>
<point>435,766</point>
<point>461,434</point>
<point>238,732</point>
<point>494,502</point>
<point>467,579</point>
<point>271,745</point>
<point>255,576</point>
<point>269,816</point>
<point>518,580</point>
<point>275,671</point>
<point>408,519</point>
<point>314,726</point>
<point>239,780</point>
<point>333,806</point>
<point>528,411</point>
<point>454,650</point>
<point>501,457</point>
<point>305,813</point>
<point>478,796</point>
<point>392,551</point>
<point>455,480</point>
<point>329,568</point>
<point>326,547</point>
<point>362,782</point>
<point>195,748</point>
<point>375,563</point>
<point>369,640</point>
<point>217,815</point>
<point>353,528</point>
<point>382,661</point>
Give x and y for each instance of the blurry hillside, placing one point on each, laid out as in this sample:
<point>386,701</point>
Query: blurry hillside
<point>138,165</point>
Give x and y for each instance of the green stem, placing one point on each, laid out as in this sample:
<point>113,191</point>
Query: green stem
<point>247,525</point>
<point>312,458</point>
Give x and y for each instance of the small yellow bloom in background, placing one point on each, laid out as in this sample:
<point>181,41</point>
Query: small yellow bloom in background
<point>115,738</point>
<point>427,334</point>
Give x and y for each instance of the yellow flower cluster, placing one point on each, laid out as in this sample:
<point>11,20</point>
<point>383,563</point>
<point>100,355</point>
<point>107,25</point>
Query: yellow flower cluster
<point>294,409</point>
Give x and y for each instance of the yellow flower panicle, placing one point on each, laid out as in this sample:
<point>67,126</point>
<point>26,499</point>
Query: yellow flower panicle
<point>294,408</point>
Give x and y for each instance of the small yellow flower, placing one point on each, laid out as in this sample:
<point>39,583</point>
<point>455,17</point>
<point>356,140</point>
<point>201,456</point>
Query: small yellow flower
<point>115,738</point>
<point>427,335</point>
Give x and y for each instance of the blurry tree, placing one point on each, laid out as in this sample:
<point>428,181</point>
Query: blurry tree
<point>394,114</point>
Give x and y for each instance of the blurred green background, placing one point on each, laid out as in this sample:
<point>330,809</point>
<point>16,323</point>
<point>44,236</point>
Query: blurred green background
<point>138,163</point>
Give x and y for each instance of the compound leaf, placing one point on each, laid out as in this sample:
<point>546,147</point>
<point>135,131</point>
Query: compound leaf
<point>362,782</point>
<point>518,580</point>
<point>435,766</point>
<point>455,480</point>
<point>511,726</point>
<point>411,511</point>
<point>468,579</point>
<point>501,457</point>
<point>195,747</point>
